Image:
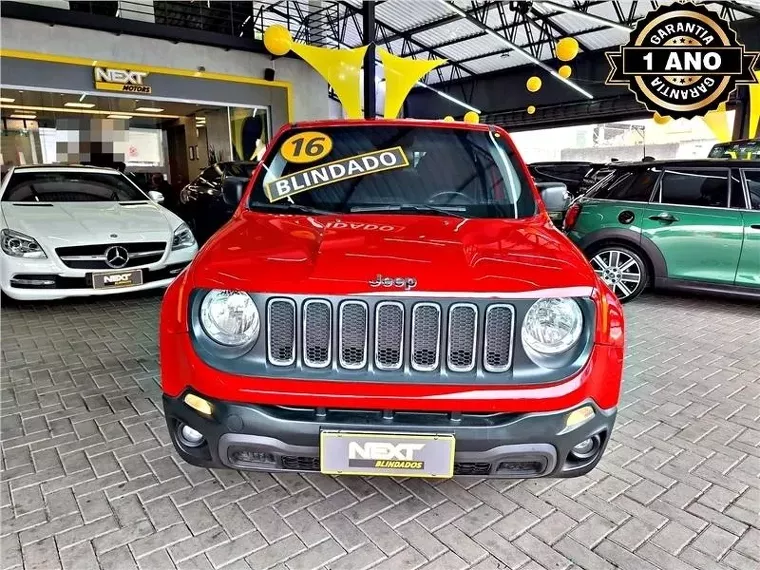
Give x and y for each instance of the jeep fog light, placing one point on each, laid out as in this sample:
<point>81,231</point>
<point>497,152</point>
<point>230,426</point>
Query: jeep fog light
<point>230,318</point>
<point>189,436</point>
<point>578,417</point>
<point>199,404</point>
<point>552,326</point>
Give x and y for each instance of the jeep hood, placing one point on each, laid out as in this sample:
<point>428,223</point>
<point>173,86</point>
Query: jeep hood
<point>275,253</point>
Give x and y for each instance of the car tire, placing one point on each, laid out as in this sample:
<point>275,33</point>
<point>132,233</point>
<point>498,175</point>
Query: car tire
<point>622,268</point>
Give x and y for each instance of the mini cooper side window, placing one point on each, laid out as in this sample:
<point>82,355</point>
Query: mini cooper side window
<point>695,187</point>
<point>629,184</point>
<point>753,184</point>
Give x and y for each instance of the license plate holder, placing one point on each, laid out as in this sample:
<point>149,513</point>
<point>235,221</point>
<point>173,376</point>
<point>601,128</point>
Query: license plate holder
<point>117,279</point>
<point>386,454</point>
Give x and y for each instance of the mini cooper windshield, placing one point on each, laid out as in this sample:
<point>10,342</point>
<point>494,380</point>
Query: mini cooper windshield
<point>71,186</point>
<point>391,169</point>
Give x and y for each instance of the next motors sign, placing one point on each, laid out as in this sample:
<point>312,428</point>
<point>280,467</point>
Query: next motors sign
<point>125,80</point>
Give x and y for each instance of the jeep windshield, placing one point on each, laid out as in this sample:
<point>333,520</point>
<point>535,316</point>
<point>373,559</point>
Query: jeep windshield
<point>395,170</point>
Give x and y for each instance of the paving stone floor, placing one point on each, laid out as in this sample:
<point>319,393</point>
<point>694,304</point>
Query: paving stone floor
<point>90,480</point>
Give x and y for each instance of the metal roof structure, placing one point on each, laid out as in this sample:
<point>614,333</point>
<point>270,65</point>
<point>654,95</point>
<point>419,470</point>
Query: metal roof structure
<point>476,37</point>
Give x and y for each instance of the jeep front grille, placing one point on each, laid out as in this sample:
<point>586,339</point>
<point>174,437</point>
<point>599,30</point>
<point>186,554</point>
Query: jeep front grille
<point>352,341</point>
<point>386,336</point>
<point>281,332</point>
<point>498,338</point>
<point>426,335</point>
<point>463,330</point>
<point>389,335</point>
<point>317,333</point>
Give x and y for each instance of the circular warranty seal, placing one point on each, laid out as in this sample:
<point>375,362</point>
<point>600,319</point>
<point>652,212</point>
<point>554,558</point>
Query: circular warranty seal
<point>681,61</point>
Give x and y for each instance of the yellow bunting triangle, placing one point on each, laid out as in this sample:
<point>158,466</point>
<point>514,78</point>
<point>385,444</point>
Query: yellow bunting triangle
<point>400,76</point>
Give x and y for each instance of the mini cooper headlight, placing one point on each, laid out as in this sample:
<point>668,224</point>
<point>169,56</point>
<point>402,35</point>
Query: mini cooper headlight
<point>552,326</point>
<point>183,237</point>
<point>17,244</point>
<point>230,318</point>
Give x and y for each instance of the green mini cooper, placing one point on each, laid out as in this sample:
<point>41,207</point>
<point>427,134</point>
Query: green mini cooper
<point>686,224</point>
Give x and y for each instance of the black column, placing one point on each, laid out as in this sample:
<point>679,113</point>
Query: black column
<point>741,118</point>
<point>368,30</point>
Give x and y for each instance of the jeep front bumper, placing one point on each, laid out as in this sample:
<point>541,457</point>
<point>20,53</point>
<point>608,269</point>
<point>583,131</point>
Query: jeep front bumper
<point>499,445</point>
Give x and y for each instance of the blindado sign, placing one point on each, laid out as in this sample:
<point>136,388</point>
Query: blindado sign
<point>336,171</point>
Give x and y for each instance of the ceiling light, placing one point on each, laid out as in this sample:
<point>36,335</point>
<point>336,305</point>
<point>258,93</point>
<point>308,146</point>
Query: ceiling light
<point>150,109</point>
<point>449,97</point>
<point>7,99</point>
<point>15,116</point>
<point>25,108</point>
<point>79,105</point>
<point>117,116</point>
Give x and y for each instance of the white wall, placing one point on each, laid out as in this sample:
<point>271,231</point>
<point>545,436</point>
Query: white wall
<point>310,100</point>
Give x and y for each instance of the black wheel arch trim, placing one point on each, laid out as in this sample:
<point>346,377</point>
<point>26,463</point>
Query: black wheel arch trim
<point>659,266</point>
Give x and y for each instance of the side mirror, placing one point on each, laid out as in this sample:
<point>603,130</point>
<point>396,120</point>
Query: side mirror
<point>232,191</point>
<point>156,196</point>
<point>555,196</point>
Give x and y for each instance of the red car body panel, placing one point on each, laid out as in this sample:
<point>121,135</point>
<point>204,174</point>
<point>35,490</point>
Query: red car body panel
<point>335,255</point>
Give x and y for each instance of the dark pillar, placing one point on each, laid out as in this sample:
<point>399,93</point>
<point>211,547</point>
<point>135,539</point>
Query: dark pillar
<point>368,28</point>
<point>741,118</point>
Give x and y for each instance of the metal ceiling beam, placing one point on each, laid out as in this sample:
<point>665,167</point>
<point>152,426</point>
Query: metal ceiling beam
<point>581,14</point>
<point>547,20</point>
<point>543,17</point>
<point>744,8</point>
<point>407,37</point>
<point>518,49</point>
<point>444,21</point>
<point>509,50</point>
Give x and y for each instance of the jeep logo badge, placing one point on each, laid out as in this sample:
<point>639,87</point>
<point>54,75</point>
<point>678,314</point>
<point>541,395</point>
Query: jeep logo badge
<point>406,283</point>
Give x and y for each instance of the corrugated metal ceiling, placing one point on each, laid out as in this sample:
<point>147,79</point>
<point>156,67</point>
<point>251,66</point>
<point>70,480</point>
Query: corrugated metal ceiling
<point>456,38</point>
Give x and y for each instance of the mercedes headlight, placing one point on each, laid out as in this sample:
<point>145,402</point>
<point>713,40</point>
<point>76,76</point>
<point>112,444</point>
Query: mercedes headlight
<point>230,318</point>
<point>17,244</point>
<point>183,237</point>
<point>552,327</point>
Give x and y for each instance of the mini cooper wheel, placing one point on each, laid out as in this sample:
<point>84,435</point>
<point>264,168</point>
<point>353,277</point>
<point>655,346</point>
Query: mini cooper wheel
<point>622,269</point>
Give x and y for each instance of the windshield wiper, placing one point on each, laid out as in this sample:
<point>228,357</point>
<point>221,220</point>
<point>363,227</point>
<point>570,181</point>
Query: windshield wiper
<point>290,206</point>
<point>445,210</point>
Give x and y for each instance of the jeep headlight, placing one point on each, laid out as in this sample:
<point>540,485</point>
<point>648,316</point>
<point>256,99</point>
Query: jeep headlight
<point>183,237</point>
<point>230,318</point>
<point>17,244</point>
<point>552,327</point>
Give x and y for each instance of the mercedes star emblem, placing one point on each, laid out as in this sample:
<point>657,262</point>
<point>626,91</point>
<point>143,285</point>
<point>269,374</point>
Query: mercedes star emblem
<point>117,256</point>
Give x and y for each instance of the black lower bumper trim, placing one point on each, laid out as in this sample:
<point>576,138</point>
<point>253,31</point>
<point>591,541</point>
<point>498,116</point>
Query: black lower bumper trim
<point>269,438</point>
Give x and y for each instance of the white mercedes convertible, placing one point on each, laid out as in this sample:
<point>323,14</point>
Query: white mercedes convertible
<point>74,231</point>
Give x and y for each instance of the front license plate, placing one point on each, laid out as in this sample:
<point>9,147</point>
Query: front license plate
<point>388,454</point>
<point>114,280</point>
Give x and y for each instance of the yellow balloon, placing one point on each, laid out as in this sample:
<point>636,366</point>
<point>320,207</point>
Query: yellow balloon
<point>448,119</point>
<point>277,40</point>
<point>471,117</point>
<point>659,119</point>
<point>565,71</point>
<point>531,109</point>
<point>567,48</point>
<point>533,84</point>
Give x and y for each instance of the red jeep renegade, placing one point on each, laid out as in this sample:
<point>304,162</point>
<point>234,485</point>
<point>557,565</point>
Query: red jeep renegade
<point>391,298</point>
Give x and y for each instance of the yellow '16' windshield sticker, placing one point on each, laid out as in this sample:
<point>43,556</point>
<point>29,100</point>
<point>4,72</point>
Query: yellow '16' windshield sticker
<point>307,147</point>
<point>336,171</point>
